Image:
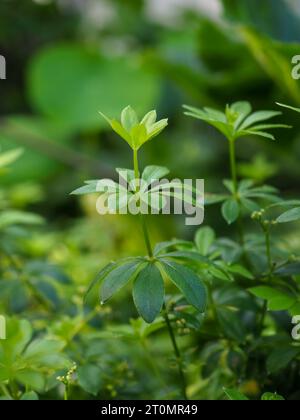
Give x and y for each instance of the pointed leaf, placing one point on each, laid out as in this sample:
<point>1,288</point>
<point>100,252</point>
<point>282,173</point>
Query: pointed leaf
<point>244,133</point>
<point>154,173</point>
<point>231,210</point>
<point>289,216</point>
<point>257,117</point>
<point>235,395</point>
<point>204,239</point>
<point>129,118</point>
<point>148,292</point>
<point>288,107</point>
<point>187,282</point>
<point>10,156</point>
<point>118,277</point>
<point>149,119</point>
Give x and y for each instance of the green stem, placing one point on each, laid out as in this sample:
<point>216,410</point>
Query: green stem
<point>266,230</point>
<point>268,249</point>
<point>66,393</point>
<point>233,165</point>
<point>142,218</point>
<point>176,352</point>
<point>150,254</point>
<point>136,165</point>
<point>146,236</point>
<point>234,178</point>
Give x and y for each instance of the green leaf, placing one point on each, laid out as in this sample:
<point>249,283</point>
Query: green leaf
<point>90,378</point>
<point>204,239</point>
<point>281,357</point>
<point>281,303</point>
<point>243,109</point>
<point>214,198</point>
<point>229,185</point>
<point>187,282</point>
<point>156,128</point>
<point>257,117</point>
<point>235,395</point>
<point>261,127</point>
<point>257,133</point>
<point>268,396</point>
<point>250,205</point>
<point>242,271</point>
<point>139,136</point>
<point>31,379</point>
<point>265,292</point>
<point>29,396</point>
<point>100,276</point>
<point>236,121</point>
<point>163,246</point>
<point>231,324</point>
<point>119,129</point>
<point>148,292</point>
<point>129,118</point>
<point>154,173</point>
<point>86,189</point>
<point>289,216</point>
<point>277,300</point>
<point>288,107</point>
<point>6,158</point>
<point>292,269</point>
<point>188,255</point>
<point>118,277</point>
<point>230,210</point>
<point>149,119</point>
<point>135,133</point>
<point>18,217</point>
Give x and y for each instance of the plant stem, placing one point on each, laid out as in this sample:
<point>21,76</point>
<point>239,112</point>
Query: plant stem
<point>234,179</point>
<point>268,249</point>
<point>146,236</point>
<point>136,165</point>
<point>142,218</point>
<point>176,352</point>
<point>266,229</point>
<point>150,254</point>
<point>233,165</point>
<point>66,393</point>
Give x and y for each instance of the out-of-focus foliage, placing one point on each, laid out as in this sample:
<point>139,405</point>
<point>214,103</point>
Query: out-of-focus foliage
<point>67,60</point>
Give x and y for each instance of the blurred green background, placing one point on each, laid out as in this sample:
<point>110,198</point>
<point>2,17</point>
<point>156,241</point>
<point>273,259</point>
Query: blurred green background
<point>69,59</point>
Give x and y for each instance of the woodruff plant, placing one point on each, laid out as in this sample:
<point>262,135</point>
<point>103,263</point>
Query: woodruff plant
<point>147,273</point>
<point>236,122</point>
<point>268,272</point>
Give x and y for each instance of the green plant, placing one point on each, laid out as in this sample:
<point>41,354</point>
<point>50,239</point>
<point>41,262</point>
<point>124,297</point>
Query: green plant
<point>28,362</point>
<point>236,122</point>
<point>146,273</point>
<point>235,395</point>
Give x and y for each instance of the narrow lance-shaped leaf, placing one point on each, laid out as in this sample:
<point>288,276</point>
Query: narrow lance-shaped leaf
<point>148,292</point>
<point>187,282</point>
<point>292,215</point>
<point>118,278</point>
